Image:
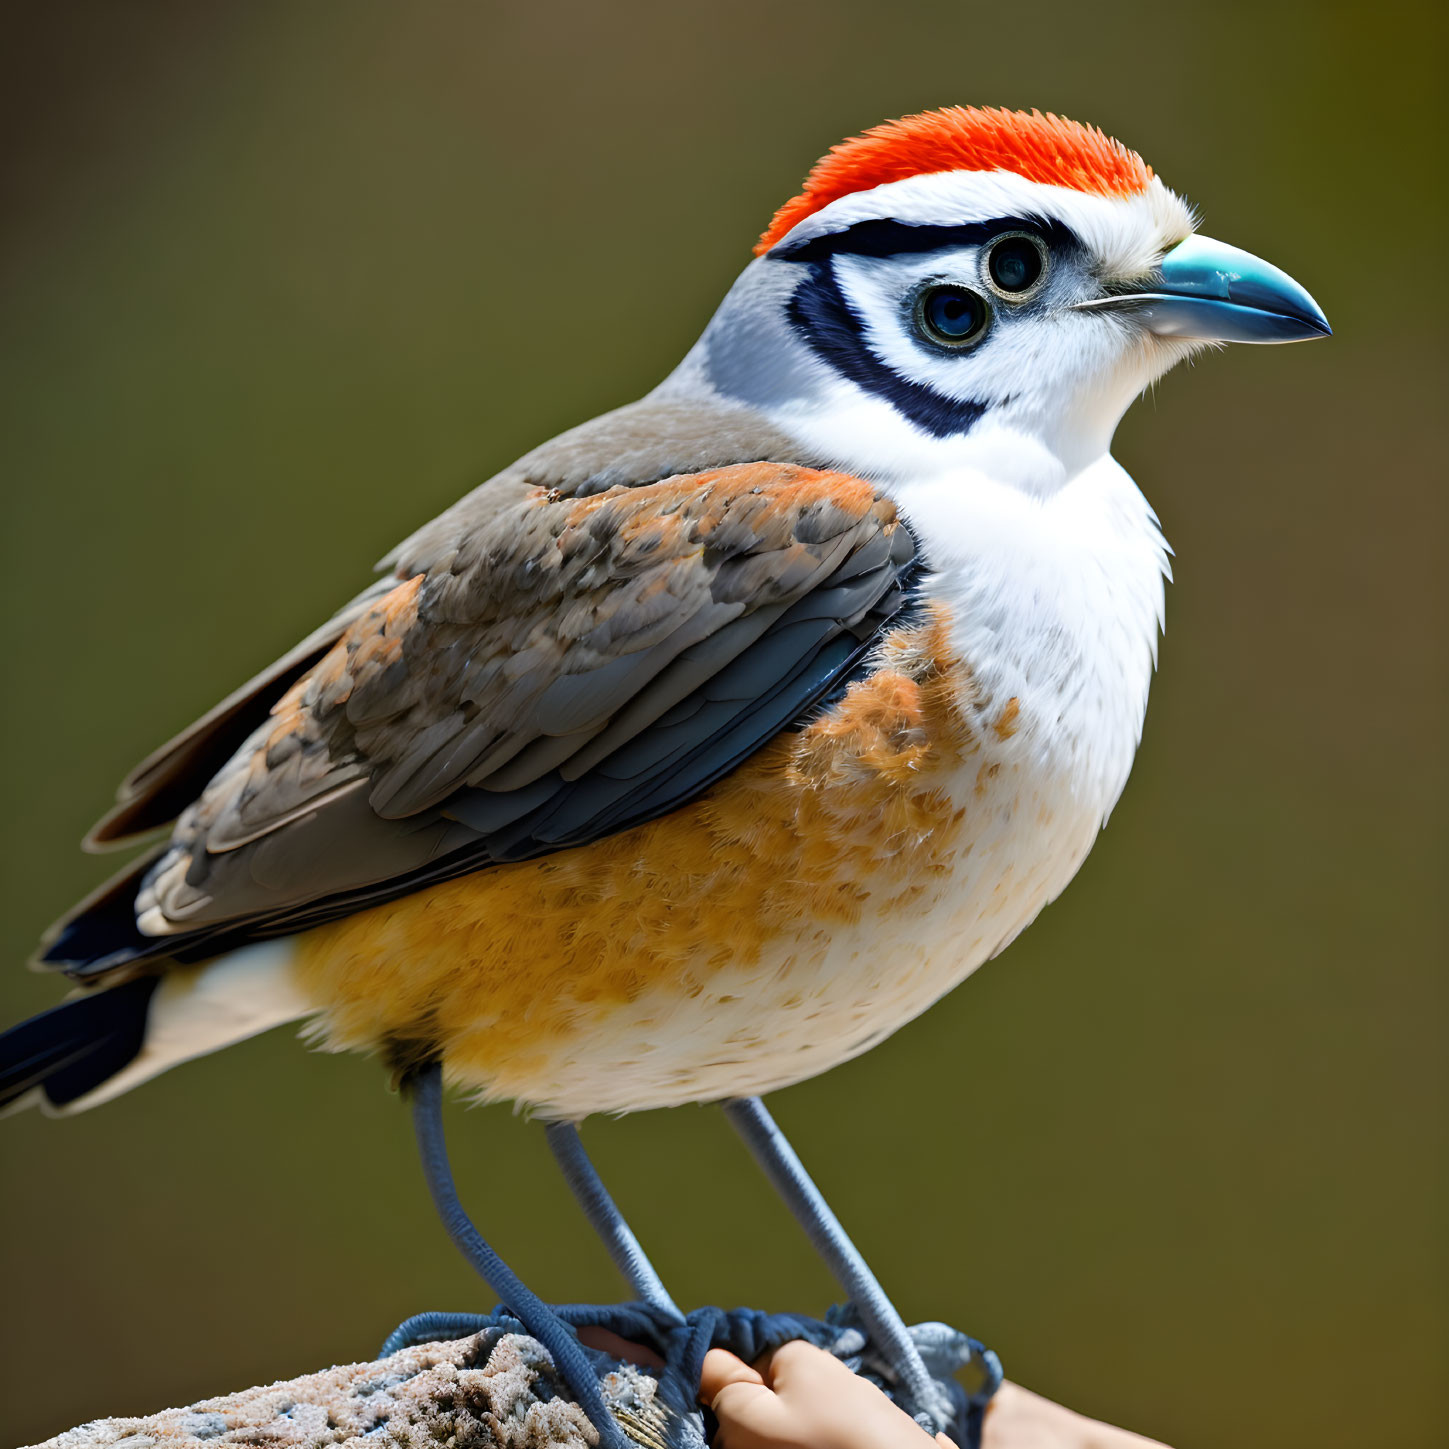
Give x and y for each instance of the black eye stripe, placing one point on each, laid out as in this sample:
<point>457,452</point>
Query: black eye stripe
<point>830,327</point>
<point>888,238</point>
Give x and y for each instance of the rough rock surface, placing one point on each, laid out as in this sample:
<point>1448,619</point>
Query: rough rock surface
<point>491,1391</point>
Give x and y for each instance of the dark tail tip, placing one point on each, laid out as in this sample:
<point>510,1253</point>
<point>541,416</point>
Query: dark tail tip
<point>74,1047</point>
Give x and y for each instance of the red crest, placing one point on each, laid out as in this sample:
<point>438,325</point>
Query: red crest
<point>966,138</point>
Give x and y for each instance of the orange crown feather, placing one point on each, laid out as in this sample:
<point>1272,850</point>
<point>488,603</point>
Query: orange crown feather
<point>1038,147</point>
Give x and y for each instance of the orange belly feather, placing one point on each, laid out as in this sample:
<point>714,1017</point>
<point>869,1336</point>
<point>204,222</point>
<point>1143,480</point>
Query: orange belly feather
<point>502,970</point>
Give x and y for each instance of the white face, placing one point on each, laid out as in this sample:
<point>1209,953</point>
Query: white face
<point>935,323</point>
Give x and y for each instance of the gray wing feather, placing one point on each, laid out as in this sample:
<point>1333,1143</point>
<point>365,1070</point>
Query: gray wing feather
<point>169,778</point>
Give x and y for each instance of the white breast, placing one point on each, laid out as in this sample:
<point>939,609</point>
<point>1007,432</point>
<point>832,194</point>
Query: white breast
<point>1058,599</point>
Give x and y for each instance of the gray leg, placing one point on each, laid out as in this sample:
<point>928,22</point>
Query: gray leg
<point>537,1317</point>
<point>769,1148</point>
<point>606,1219</point>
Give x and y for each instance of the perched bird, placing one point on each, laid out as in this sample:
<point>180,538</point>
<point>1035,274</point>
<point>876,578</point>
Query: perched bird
<point>712,741</point>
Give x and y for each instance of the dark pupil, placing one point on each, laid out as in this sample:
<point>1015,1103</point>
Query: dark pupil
<point>954,314</point>
<point>1015,264</point>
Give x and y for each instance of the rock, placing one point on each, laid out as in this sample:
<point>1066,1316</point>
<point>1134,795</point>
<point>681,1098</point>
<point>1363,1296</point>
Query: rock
<point>494,1390</point>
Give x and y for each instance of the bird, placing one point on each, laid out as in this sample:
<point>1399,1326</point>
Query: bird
<point>712,741</point>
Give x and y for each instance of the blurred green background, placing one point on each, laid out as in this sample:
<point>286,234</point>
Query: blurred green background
<point>278,281</point>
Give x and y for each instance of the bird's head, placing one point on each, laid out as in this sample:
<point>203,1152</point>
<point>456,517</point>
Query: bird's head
<point>979,288</point>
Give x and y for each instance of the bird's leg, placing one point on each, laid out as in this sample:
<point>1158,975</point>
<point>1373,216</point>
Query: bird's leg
<point>606,1219</point>
<point>770,1149</point>
<point>426,1087</point>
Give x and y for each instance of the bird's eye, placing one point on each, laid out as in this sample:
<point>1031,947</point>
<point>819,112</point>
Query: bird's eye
<point>1016,264</point>
<point>952,317</point>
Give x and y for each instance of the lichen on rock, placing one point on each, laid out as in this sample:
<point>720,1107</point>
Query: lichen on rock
<point>494,1390</point>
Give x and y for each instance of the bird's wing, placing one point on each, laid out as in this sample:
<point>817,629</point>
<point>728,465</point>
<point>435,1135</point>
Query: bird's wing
<point>168,779</point>
<point>642,441</point>
<point>560,669</point>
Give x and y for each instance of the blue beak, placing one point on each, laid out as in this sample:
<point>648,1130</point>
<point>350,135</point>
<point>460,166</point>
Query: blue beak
<point>1211,292</point>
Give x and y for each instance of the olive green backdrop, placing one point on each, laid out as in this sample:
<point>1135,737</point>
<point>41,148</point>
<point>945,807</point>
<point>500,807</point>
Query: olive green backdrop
<point>282,280</point>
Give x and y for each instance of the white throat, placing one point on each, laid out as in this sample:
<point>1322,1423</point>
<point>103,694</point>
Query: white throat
<point>1057,601</point>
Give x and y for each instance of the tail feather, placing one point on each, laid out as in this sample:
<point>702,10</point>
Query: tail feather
<point>74,1047</point>
<point>94,1047</point>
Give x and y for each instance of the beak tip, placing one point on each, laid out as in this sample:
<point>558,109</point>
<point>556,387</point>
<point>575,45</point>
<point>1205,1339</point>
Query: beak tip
<point>1311,314</point>
<point>1229,295</point>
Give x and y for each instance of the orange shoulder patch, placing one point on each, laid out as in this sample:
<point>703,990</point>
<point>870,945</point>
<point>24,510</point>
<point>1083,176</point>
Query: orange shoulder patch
<point>785,492</point>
